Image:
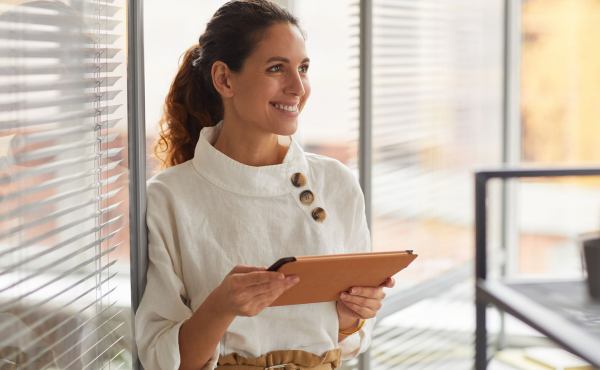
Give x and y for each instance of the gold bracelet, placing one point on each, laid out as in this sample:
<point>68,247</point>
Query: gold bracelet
<point>352,332</point>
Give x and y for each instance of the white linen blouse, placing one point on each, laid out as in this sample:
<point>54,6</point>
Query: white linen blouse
<point>211,213</point>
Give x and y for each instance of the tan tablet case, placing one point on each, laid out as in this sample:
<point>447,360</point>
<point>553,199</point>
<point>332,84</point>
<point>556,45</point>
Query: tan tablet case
<point>322,278</point>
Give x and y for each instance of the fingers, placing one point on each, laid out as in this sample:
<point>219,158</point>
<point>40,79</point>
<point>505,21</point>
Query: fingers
<point>370,303</point>
<point>273,293</point>
<point>243,269</point>
<point>388,283</point>
<point>367,292</point>
<point>273,286</point>
<point>363,311</point>
<point>256,277</point>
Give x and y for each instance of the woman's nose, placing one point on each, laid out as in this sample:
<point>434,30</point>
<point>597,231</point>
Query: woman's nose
<point>294,84</point>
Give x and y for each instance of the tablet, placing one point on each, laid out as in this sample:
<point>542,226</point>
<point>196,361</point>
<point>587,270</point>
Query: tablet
<point>323,277</point>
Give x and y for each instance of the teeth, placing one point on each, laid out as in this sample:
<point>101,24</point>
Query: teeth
<point>288,108</point>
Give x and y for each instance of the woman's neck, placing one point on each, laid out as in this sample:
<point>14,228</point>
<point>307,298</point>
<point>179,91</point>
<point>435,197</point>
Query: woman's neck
<point>249,147</point>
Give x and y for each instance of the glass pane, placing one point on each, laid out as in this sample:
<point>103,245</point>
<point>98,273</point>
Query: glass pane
<point>64,238</point>
<point>560,126</point>
<point>437,70</point>
<point>437,117</point>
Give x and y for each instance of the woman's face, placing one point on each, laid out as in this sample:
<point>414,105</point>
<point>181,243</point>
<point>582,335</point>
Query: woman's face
<point>272,87</point>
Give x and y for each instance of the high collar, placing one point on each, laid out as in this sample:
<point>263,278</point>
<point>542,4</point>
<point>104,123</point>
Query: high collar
<point>237,177</point>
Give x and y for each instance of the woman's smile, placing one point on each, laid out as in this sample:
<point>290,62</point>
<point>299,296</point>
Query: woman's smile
<point>289,109</point>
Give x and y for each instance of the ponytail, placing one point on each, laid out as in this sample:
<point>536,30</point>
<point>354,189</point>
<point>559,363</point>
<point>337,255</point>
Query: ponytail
<point>190,105</point>
<point>193,102</point>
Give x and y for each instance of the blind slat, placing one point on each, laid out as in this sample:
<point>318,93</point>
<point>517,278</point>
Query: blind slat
<point>58,68</point>
<point>59,102</point>
<point>53,216</point>
<point>50,265</point>
<point>103,352</point>
<point>69,55</point>
<point>29,207</point>
<point>90,8</point>
<point>56,182</point>
<point>15,301</point>
<point>55,166</point>
<point>114,358</point>
<point>62,117</point>
<point>85,83</point>
<point>11,303</point>
<point>59,149</point>
<point>79,342</point>
<point>62,37</point>
<point>78,221</point>
<point>60,20</point>
<point>49,316</point>
<point>89,349</point>
<point>80,326</point>
<point>46,135</point>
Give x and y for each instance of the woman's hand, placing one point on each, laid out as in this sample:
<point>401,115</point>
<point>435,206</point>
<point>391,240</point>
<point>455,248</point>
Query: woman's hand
<point>361,303</point>
<point>246,290</point>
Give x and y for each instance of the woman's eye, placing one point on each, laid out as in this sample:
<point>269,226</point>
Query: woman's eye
<point>274,68</point>
<point>303,69</point>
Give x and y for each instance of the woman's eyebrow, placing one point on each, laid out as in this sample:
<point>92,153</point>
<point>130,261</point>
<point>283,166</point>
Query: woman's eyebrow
<point>285,60</point>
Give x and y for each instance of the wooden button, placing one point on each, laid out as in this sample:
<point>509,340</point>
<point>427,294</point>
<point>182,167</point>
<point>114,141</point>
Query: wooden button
<point>307,197</point>
<point>319,214</point>
<point>298,180</point>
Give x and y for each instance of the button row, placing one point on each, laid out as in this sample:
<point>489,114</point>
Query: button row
<point>307,197</point>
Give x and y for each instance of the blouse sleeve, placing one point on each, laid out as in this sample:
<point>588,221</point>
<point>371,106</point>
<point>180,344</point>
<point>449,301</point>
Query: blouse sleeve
<point>359,242</point>
<point>163,308</point>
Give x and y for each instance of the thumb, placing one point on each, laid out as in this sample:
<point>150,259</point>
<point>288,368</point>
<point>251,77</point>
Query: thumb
<point>243,269</point>
<point>388,283</point>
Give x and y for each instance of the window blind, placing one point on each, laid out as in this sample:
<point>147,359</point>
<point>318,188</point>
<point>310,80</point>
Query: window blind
<point>63,185</point>
<point>436,116</point>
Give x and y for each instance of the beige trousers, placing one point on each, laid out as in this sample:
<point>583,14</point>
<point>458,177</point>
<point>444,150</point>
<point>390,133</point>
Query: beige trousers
<point>282,360</point>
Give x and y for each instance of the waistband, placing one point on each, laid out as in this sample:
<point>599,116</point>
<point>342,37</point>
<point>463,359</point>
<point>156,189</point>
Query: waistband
<point>282,360</point>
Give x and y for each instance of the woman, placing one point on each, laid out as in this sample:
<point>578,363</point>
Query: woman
<point>238,194</point>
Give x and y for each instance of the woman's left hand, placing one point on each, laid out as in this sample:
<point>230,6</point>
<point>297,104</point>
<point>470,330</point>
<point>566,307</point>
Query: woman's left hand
<point>363,302</point>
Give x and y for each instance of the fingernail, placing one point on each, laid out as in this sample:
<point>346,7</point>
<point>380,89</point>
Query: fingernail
<point>344,295</point>
<point>352,291</point>
<point>281,277</point>
<point>295,279</point>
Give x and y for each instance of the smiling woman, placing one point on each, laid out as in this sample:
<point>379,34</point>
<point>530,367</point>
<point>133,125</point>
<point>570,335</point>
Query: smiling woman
<point>263,99</point>
<point>250,65</point>
<point>239,193</point>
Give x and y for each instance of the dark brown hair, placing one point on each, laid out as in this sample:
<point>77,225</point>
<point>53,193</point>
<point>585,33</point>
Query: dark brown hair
<point>193,102</point>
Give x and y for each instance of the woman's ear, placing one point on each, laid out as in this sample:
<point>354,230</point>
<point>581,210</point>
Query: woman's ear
<point>221,79</point>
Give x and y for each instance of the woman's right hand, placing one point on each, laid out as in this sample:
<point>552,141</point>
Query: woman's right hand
<point>246,290</point>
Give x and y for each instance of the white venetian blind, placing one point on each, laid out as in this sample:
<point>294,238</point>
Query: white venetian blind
<point>436,117</point>
<point>63,185</point>
<point>437,73</point>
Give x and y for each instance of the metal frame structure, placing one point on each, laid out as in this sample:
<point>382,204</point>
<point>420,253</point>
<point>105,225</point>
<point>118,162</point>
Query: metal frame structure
<point>365,122</point>
<point>365,102</point>
<point>482,296</point>
<point>511,141</point>
<point>137,160</point>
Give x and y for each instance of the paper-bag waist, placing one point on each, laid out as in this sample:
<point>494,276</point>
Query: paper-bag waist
<point>282,360</point>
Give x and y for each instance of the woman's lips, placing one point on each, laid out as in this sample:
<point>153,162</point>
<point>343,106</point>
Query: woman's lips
<point>285,109</point>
